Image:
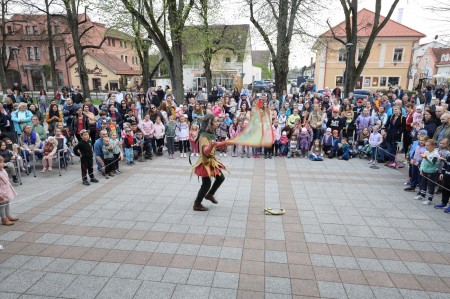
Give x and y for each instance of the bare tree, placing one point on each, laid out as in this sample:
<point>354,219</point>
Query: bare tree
<point>76,23</point>
<point>278,21</point>
<point>4,58</point>
<point>440,10</point>
<point>150,18</point>
<point>351,38</point>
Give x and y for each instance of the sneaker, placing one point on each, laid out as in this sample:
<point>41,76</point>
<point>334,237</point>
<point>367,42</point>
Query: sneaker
<point>407,183</point>
<point>410,189</point>
<point>418,197</point>
<point>426,202</point>
<point>192,154</point>
<point>111,174</point>
<point>197,155</point>
<point>118,172</point>
<point>94,180</point>
<point>371,161</point>
<point>393,165</point>
<point>439,206</point>
<point>224,154</point>
<point>86,183</point>
<point>447,209</point>
<point>248,155</point>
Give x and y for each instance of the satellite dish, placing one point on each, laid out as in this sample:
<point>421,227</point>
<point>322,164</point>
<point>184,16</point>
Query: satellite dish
<point>436,37</point>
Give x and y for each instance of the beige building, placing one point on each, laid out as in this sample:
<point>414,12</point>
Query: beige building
<point>389,61</point>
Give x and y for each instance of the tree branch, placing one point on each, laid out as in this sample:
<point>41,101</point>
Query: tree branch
<point>84,31</point>
<point>334,35</point>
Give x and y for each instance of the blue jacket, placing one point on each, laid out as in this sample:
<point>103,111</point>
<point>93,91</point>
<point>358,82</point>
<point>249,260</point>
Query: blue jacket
<point>98,148</point>
<point>15,119</point>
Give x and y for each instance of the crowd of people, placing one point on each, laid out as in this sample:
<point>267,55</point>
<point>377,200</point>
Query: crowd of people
<point>134,125</point>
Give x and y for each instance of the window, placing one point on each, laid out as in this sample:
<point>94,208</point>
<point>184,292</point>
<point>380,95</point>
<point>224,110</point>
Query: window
<point>383,81</point>
<point>121,43</point>
<point>360,53</point>
<point>126,59</point>
<point>124,44</point>
<point>12,55</point>
<point>227,59</point>
<point>28,30</point>
<point>121,57</point>
<point>57,29</point>
<point>393,81</point>
<point>35,30</point>
<point>398,54</point>
<point>339,80</point>
<point>60,78</point>
<point>37,53</point>
<point>342,55</point>
<point>113,42</point>
<point>58,53</point>
<point>30,53</point>
<point>109,41</point>
<point>9,29</point>
<point>132,59</point>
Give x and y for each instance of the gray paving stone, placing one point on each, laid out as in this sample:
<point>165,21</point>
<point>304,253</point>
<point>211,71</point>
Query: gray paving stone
<point>20,281</point>
<point>188,249</point>
<point>5,295</point>
<point>87,241</point>
<point>38,263</point>
<point>106,243</point>
<point>119,288</point>
<point>176,275</point>
<point>345,262</point>
<point>201,278</point>
<point>52,284</point>
<point>272,256</point>
<point>209,251</point>
<point>5,273</point>
<point>16,261</point>
<point>383,293</point>
<point>322,260</point>
<point>217,293</point>
<point>82,267</point>
<point>48,238</point>
<point>166,247</point>
<point>148,246</point>
<point>226,280</point>
<point>152,273</point>
<point>155,290</point>
<point>126,244</point>
<point>276,296</point>
<point>419,268</point>
<point>191,292</point>
<point>231,253</point>
<point>60,265</point>
<point>331,289</point>
<point>369,264</point>
<point>278,285</point>
<point>11,235</point>
<point>414,294</point>
<point>105,269</point>
<point>355,291</point>
<point>394,266</point>
<point>128,271</point>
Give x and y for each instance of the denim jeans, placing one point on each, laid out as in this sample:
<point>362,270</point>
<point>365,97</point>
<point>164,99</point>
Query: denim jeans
<point>129,154</point>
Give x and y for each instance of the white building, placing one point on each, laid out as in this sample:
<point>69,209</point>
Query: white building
<point>418,53</point>
<point>231,64</point>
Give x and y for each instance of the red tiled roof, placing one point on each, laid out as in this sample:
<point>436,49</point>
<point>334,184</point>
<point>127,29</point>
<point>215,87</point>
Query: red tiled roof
<point>365,24</point>
<point>115,64</point>
<point>438,52</point>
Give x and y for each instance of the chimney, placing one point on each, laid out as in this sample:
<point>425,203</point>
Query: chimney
<point>400,15</point>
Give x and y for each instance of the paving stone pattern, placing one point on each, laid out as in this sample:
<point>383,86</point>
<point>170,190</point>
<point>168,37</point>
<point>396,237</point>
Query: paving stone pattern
<point>349,232</point>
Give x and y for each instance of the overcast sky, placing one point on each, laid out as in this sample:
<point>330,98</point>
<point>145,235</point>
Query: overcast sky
<point>414,15</point>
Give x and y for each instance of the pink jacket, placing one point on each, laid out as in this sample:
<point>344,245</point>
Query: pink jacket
<point>147,128</point>
<point>7,191</point>
<point>233,132</point>
<point>276,132</point>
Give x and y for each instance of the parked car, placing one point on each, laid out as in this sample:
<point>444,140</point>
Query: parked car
<point>362,91</point>
<point>258,86</point>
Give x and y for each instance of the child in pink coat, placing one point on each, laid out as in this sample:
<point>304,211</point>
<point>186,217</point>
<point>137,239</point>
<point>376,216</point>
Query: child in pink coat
<point>7,193</point>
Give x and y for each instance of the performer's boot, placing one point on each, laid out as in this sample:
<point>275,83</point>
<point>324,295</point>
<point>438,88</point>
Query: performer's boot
<point>211,198</point>
<point>200,207</point>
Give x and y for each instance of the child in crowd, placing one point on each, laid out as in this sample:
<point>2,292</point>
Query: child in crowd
<point>428,169</point>
<point>49,151</point>
<point>170,130</point>
<point>292,146</point>
<point>233,131</point>
<point>193,134</point>
<point>84,150</point>
<point>382,148</point>
<point>245,148</point>
<point>304,142</point>
<point>417,118</point>
<point>138,147</point>
<point>363,140</point>
<point>159,136</point>
<point>284,141</point>
<point>277,135</point>
<point>108,157</point>
<point>7,193</point>
<point>344,150</point>
<point>443,153</point>
<point>375,140</point>
<point>282,118</point>
<point>335,145</point>
<point>327,141</point>
<point>9,158</point>
<point>128,142</point>
<point>348,126</point>
<point>182,133</point>
<point>415,160</point>
<point>117,150</point>
<point>444,175</point>
<point>316,153</point>
<point>222,134</point>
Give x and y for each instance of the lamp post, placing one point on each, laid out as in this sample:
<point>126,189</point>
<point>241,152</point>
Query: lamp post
<point>16,53</point>
<point>348,47</point>
<point>242,77</point>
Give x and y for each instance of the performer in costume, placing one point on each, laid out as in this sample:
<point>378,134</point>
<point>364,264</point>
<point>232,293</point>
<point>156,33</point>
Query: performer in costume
<point>207,165</point>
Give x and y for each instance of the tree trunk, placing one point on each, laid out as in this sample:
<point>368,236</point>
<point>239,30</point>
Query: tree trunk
<point>3,62</point>
<point>51,54</point>
<point>281,69</point>
<point>176,77</point>
<point>208,75</point>
<point>145,69</point>
<point>72,18</point>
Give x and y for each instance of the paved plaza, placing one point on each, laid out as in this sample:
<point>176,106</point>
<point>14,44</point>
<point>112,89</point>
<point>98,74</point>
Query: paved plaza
<point>349,232</point>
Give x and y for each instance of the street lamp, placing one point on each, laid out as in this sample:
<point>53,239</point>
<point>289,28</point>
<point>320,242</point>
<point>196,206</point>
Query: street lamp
<point>348,47</point>
<point>16,53</point>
